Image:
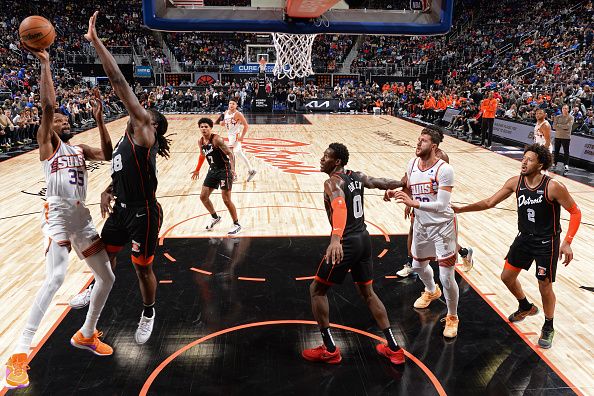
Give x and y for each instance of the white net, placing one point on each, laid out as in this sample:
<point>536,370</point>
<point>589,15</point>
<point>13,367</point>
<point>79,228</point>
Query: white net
<point>293,55</point>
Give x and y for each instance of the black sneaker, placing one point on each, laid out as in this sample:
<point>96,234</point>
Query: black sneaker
<point>546,338</point>
<point>519,315</point>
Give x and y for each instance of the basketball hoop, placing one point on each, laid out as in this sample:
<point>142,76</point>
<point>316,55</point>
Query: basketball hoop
<point>293,55</point>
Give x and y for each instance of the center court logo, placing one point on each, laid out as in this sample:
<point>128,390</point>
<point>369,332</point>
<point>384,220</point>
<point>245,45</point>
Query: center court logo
<point>280,153</point>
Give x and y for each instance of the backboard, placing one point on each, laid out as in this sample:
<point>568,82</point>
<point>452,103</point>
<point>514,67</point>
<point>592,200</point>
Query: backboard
<point>385,17</point>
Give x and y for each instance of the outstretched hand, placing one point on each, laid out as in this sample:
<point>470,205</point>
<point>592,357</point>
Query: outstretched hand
<point>40,54</point>
<point>97,108</point>
<point>91,34</point>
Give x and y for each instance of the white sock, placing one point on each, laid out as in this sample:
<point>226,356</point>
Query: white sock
<point>450,288</point>
<point>425,272</point>
<point>56,263</point>
<point>104,279</point>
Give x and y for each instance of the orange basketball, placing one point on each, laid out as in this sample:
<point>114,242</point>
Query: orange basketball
<point>37,32</point>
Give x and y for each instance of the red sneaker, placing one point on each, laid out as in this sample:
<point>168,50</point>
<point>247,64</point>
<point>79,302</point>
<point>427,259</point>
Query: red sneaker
<point>395,357</point>
<point>321,354</point>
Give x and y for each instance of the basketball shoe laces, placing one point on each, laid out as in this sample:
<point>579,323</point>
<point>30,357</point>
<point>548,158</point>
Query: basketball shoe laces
<point>19,366</point>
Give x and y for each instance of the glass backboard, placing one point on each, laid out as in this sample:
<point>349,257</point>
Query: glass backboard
<point>386,17</point>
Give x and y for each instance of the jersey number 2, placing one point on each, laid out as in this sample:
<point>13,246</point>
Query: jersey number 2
<point>531,214</point>
<point>357,206</point>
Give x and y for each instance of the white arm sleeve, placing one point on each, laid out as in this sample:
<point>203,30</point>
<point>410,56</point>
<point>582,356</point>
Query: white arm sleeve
<point>443,200</point>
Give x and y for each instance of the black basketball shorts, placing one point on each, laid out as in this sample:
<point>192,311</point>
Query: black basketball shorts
<point>216,178</point>
<point>543,250</point>
<point>138,225</point>
<point>356,257</point>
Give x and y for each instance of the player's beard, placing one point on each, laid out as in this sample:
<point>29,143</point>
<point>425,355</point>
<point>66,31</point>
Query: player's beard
<point>65,136</point>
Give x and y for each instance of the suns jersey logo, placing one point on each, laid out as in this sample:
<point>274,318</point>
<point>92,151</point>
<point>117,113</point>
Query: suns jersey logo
<point>424,188</point>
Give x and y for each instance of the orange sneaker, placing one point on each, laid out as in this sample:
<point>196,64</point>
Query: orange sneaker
<point>93,344</point>
<point>16,371</point>
<point>395,357</point>
<point>451,326</point>
<point>321,354</point>
<point>426,298</point>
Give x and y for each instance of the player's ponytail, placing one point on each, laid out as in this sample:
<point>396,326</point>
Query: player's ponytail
<point>162,126</point>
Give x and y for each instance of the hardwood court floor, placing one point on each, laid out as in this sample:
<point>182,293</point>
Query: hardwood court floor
<point>285,199</point>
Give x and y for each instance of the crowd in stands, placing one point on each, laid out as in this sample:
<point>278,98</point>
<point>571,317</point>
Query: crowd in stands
<point>531,55</point>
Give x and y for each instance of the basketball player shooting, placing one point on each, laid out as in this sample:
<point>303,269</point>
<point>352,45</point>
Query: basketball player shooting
<point>67,224</point>
<point>430,180</point>
<point>539,199</point>
<point>234,121</point>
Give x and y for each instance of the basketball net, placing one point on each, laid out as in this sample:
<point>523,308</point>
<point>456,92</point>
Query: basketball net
<point>293,55</point>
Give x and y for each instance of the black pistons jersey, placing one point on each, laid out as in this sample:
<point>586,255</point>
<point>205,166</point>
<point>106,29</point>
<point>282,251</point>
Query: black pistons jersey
<point>134,171</point>
<point>537,215</point>
<point>216,158</point>
<point>353,194</point>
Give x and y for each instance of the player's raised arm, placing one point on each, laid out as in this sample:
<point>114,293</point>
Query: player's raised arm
<point>144,132</point>
<point>48,103</point>
<point>105,152</point>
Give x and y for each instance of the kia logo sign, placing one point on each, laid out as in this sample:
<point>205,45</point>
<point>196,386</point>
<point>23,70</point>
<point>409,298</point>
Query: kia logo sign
<point>329,105</point>
<point>314,104</point>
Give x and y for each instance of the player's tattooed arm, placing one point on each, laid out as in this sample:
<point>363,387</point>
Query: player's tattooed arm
<point>219,142</point>
<point>381,183</point>
<point>333,188</point>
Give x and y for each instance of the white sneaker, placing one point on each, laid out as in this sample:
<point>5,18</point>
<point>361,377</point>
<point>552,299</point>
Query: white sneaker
<point>566,168</point>
<point>468,261</point>
<point>405,271</point>
<point>82,299</point>
<point>251,175</point>
<point>213,222</point>
<point>234,230</point>
<point>145,329</point>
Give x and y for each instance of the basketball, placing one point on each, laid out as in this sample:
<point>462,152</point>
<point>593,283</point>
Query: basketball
<point>37,32</point>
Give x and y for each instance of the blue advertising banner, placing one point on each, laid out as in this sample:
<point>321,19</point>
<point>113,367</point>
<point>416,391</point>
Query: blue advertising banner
<point>253,68</point>
<point>143,71</point>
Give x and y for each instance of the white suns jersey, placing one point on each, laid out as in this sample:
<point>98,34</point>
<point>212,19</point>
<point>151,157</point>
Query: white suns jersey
<point>66,173</point>
<point>538,135</point>
<point>424,184</point>
<point>233,126</point>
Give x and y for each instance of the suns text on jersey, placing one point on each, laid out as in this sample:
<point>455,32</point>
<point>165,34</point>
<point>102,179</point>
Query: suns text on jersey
<point>68,161</point>
<point>422,188</point>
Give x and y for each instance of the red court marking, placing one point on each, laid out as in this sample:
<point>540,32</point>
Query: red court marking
<point>201,271</point>
<point>530,333</point>
<point>526,340</point>
<point>87,272</point>
<point>61,303</point>
<point>305,278</point>
<point>165,281</point>
<point>392,277</point>
<point>243,278</point>
<point>168,256</point>
<point>47,335</point>
<point>383,253</point>
<point>165,363</point>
